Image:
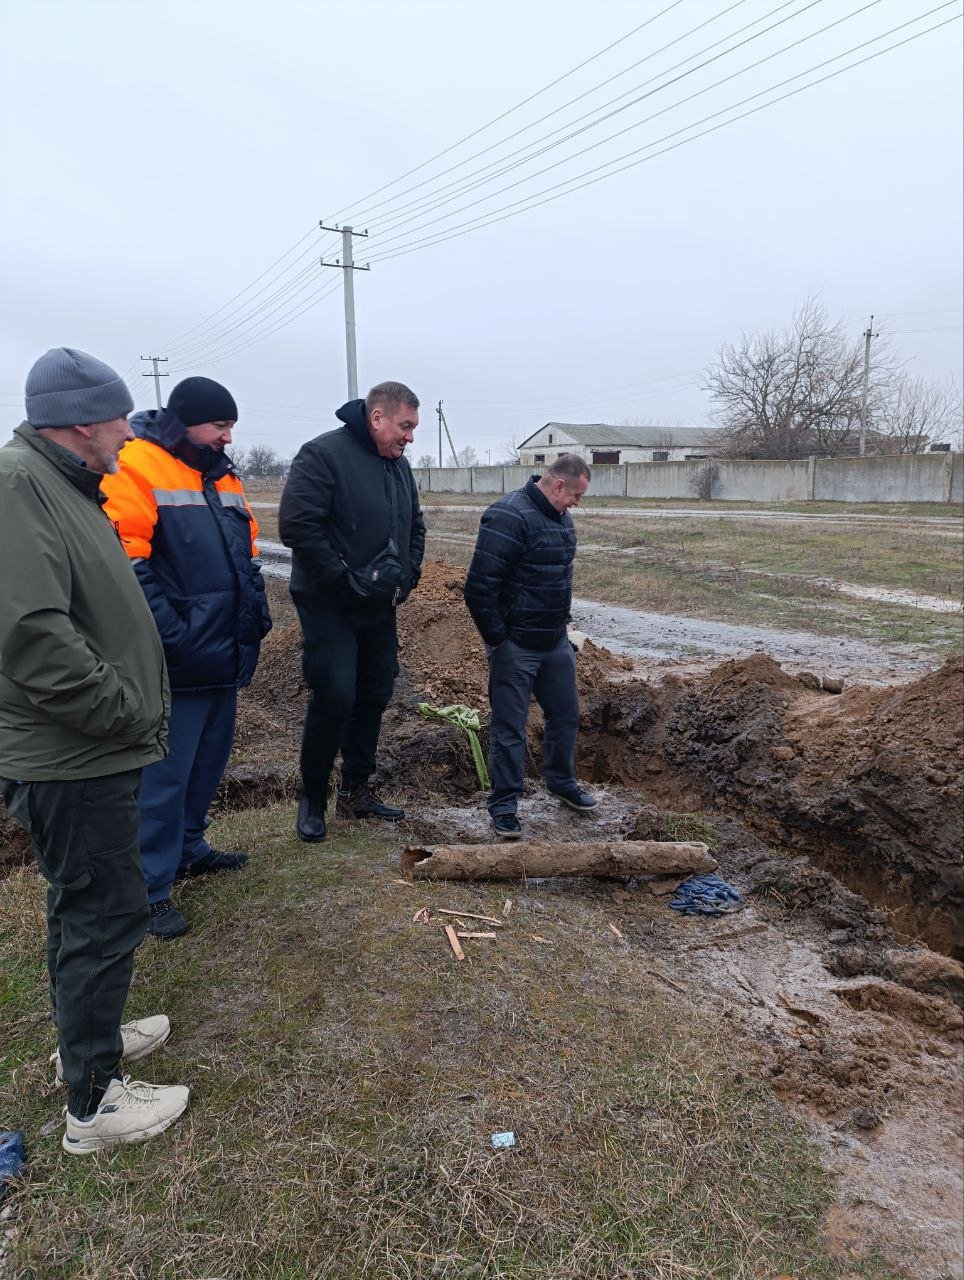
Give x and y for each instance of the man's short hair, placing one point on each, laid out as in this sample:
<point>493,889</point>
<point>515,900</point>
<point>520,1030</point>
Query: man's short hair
<point>568,467</point>
<point>390,396</point>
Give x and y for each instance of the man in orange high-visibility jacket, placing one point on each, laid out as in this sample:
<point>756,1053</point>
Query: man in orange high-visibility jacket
<point>180,510</point>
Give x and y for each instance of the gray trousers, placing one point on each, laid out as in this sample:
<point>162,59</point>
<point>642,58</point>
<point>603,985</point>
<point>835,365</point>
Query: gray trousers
<point>84,836</point>
<point>515,674</point>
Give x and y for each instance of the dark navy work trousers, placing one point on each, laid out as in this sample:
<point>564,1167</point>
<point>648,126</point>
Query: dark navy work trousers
<point>177,792</point>
<point>349,661</point>
<point>515,674</point>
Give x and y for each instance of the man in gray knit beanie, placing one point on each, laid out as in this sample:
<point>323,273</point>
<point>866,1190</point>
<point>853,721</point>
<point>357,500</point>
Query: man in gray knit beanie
<point>81,404</point>
<point>84,705</point>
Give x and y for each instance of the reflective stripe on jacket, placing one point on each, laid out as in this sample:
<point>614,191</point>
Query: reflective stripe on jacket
<point>192,541</point>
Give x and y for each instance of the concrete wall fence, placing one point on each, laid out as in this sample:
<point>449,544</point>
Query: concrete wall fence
<point>909,477</point>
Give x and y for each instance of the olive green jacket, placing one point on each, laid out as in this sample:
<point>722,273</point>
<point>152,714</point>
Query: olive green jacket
<point>83,685</point>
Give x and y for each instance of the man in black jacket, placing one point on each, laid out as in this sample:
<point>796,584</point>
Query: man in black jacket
<point>351,515</point>
<point>519,592</point>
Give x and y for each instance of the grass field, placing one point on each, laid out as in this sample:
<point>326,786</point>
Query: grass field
<point>745,571</point>
<point>347,1076</point>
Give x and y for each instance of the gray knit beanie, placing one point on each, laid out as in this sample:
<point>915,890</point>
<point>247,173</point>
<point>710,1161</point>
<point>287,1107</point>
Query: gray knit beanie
<point>67,387</point>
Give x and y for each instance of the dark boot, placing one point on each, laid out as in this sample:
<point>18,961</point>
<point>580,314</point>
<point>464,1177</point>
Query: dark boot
<point>212,864</point>
<point>166,921</point>
<point>361,802</point>
<point>311,819</point>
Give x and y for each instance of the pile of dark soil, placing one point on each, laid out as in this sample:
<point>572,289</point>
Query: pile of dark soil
<point>870,782</point>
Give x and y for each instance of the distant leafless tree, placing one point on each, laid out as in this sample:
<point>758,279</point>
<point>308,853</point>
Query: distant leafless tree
<point>703,482</point>
<point>425,460</point>
<point>466,457</point>
<point>790,394</point>
<point>912,414</point>
<point>261,460</point>
<point>510,451</point>
<point>239,460</point>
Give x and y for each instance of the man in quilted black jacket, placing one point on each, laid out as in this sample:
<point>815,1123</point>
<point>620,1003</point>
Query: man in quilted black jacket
<point>519,593</point>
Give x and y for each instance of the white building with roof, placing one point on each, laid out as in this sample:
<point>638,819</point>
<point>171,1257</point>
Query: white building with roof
<point>599,443</point>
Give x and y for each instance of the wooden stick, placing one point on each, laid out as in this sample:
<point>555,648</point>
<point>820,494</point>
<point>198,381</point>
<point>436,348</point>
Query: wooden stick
<point>524,859</point>
<point>616,932</point>
<point>476,935</point>
<point>469,915</point>
<point>454,942</point>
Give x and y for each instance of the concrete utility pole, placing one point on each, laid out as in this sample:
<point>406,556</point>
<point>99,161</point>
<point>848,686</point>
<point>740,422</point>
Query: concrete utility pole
<point>868,335</point>
<point>448,436</point>
<point>346,264</point>
<point>155,361</point>
<point>439,412</point>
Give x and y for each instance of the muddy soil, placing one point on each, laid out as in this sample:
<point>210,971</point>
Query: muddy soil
<point>854,1023</point>
<point>661,642</point>
<point>809,986</point>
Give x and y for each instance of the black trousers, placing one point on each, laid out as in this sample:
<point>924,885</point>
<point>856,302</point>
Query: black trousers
<point>350,661</point>
<point>84,836</point>
<point>515,674</point>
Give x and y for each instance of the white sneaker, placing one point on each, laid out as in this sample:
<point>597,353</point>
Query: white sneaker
<point>140,1038</point>
<point>130,1111</point>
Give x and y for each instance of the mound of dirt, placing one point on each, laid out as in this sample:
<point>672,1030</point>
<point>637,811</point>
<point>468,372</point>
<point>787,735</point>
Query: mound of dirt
<point>870,782</point>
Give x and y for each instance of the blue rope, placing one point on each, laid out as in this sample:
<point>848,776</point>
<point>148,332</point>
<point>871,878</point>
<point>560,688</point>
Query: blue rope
<point>706,896</point>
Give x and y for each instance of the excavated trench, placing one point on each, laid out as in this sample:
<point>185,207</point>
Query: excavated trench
<point>867,784</point>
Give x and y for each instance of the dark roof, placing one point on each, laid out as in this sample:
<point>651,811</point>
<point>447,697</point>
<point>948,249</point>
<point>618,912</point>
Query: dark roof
<point>600,435</point>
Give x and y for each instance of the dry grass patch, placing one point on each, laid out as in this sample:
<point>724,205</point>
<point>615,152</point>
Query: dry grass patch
<point>347,1077</point>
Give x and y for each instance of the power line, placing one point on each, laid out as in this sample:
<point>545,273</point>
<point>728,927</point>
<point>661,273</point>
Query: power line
<point>312,301</point>
<point>280,298</point>
<point>225,325</point>
<point>573,184</point>
<point>638,124</point>
<point>291,249</point>
<point>534,149</point>
<point>579,97</point>
<point>525,101</point>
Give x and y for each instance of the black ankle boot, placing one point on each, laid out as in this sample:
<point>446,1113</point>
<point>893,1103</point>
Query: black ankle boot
<point>361,802</point>
<point>311,819</point>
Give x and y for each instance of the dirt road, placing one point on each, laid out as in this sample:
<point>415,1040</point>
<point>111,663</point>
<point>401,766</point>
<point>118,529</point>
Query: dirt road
<point>697,513</point>
<point>657,641</point>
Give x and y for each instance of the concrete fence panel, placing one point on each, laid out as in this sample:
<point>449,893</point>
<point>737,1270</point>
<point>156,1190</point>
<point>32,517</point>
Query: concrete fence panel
<point>451,480</point>
<point>921,477</point>
<point>609,480</point>
<point>957,479</point>
<point>515,477</point>
<point>906,477</point>
<point>763,481</point>
<point>486,479</point>
<point>659,479</point>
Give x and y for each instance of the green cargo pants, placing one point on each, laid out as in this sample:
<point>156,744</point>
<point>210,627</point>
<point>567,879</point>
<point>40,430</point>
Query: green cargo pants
<point>84,836</point>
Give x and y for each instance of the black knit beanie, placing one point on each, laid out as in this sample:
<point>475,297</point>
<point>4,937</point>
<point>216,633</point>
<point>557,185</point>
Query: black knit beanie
<point>197,400</point>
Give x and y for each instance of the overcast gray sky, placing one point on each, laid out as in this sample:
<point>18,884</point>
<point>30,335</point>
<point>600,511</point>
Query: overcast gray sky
<point>158,157</point>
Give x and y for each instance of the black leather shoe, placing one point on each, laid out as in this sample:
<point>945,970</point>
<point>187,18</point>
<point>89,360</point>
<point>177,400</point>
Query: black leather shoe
<point>311,820</point>
<point>166,921</point>
<point>577,799</point>
<point>507,826</point>
<point>211,865</point>
<point>363,803</point>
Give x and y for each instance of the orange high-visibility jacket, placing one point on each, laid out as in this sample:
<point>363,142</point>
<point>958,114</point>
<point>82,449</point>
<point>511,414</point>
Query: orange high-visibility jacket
<point>191,538</point>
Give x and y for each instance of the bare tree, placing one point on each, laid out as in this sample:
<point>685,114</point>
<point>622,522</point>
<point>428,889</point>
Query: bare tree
<point>913,414</point>
<point>466,457</point>
<point>510,451</point>
<point>790,394</point>
<point>239,460</point>
<point>262,461</point>
<point>425,460</point>
<point>704,481</point>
